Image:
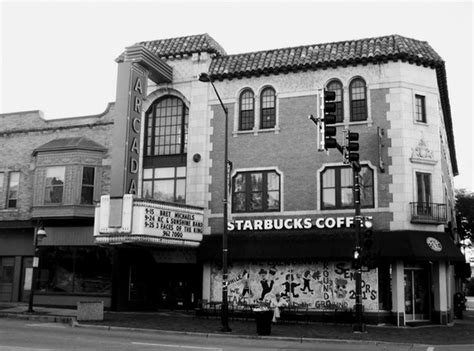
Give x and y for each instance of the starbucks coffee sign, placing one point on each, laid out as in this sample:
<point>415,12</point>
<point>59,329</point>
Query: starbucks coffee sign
<point>292,223</point>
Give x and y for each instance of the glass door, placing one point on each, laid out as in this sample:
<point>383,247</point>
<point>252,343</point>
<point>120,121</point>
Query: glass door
<point>416,294</point>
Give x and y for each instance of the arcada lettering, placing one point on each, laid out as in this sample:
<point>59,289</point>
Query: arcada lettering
<point>135,115</point>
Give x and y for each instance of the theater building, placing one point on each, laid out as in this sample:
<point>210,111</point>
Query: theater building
<point>158,185</point>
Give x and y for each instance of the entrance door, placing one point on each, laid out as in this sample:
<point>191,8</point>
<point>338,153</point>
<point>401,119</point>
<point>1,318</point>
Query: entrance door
<point>7,266</point>
<point>416,294</point>
<point>136,285</point>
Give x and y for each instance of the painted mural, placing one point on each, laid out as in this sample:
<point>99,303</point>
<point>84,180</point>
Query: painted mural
<point>316,285</point>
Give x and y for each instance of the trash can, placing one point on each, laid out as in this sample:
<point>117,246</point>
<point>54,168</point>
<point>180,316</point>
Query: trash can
<point>263,318</point>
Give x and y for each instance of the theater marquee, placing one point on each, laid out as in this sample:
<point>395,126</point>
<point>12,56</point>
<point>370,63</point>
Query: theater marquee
<point>149,222</point>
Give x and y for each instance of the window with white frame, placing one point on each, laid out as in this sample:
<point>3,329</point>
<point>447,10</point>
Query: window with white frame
<point>358,100</point>
<point>87,188</point>
<point>337,184</point>
<point>256,191</point>
<point>54,185</point>
<point>13,187</point>
<point>246,110</point>
<point>165,184</point>
<point>267,108</point>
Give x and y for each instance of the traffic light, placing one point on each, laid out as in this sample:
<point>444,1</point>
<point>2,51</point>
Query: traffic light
<point>356,259</point>
<point>367,252</point>
<point>352,146</point>
<point>328,108</point>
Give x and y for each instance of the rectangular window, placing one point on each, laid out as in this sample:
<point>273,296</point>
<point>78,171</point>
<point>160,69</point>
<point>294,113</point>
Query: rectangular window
<point>87,190</point>
<point>420,109</point>
<point>256,192</point>
<point>337,184</point>
<point>13,185</point>
<point>165,184</point>
<point>54,188</point>
<point>423,188</point>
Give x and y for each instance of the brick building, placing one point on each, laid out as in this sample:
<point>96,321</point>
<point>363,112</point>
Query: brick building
<point>291,221</point>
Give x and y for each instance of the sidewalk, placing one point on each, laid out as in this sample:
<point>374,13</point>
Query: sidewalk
<point>462,332</point>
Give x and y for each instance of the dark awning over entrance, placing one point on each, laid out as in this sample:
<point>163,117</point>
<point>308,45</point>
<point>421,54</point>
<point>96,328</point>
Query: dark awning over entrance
<point>327,245</point>
<point>280,245</point>
<point>434,246</point>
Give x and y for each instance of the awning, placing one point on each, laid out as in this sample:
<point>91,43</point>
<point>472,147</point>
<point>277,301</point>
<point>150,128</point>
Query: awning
<point>434,246</point>
<point>280,245</point>
<point>329,245</point>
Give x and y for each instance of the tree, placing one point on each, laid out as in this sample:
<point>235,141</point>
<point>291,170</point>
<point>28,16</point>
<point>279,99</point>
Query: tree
<point>465,213</point>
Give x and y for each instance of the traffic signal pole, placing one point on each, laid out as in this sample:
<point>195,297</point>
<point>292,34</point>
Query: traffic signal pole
<point>359,326</point>
<point>326,140</point>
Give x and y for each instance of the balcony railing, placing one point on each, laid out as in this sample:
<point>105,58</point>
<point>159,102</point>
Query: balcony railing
<point>426,212</point>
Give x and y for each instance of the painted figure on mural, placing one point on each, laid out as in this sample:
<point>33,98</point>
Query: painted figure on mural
<point>245,284</point>
<point>267,285</point>
<point>306,281</point>
<point>290,286</point>
<point>341,290</point>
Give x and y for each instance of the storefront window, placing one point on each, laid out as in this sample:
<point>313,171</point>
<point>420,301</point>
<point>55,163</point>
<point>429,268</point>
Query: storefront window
<point>75,270</point>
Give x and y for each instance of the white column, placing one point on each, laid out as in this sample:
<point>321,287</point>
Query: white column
<point>398,292</point>
<point>440,292</point>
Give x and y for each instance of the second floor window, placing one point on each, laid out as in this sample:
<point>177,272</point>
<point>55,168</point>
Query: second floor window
<point>336,188</point>
<point>336,86</point>
<point>12,193</point>
<point>87,189</point>
<point>420,110</point>
<point>358,99</point>
<point>54,187</point>
<point>256,192</point>
<point>165,184</point>
<point>166,127</point>
<point>267,108</point>
<point>246,110</point>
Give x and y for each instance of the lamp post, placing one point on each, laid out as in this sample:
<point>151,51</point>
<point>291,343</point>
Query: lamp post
<point>204,77</point>
<point>40,234</point>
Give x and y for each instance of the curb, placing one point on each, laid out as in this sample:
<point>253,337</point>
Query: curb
<point>240,336</point>
<point>40,317</point>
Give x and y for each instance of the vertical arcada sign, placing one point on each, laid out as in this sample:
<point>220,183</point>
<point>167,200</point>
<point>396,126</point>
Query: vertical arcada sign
<point>135,66</point>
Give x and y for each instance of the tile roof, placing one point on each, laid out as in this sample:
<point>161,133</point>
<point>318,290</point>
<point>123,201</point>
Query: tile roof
<point>343,53</point>
<point>73,143</point>
<point>184,45</point>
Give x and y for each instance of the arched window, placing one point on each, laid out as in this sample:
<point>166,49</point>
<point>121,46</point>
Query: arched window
<point>166,127</point>
<point>267,108</point>
<point>247,110</point>
<point>336,86</point>
<point>358,97</point>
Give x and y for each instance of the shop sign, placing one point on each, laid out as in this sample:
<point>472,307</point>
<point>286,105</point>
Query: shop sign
<point>167,221</point>
<point>292,223</point>
<point>434,244</point>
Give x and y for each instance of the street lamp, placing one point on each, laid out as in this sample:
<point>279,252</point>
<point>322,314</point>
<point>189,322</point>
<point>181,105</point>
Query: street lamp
<point>40,234</point>
<point>204,77</point>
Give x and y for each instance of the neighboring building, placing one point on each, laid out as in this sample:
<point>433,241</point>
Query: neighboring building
<point>290,226</point>
<point>52,172</point>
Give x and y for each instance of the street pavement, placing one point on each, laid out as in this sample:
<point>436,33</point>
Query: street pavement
<point>461,332</point>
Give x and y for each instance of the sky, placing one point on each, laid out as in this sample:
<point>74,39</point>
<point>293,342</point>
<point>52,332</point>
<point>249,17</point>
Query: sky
<point>58,56</point>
